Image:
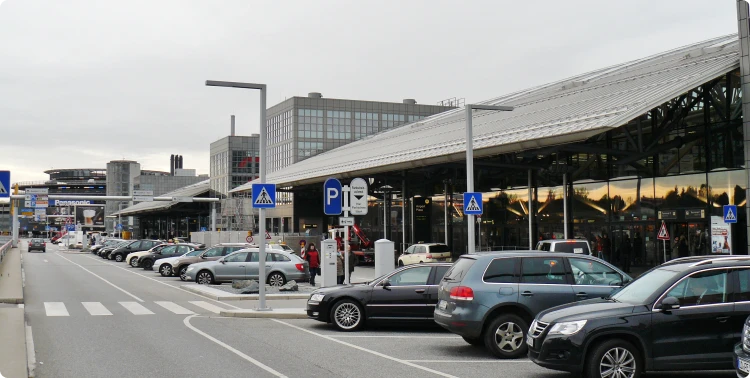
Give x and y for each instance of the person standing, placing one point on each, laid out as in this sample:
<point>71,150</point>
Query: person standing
<point>312,256</point>
<point>638,248</point>
<point>606,247</point>
<point>625,253</point>
<point>352,262</point>
<point>683,250</point>
<point>339,268</point>
<point>675,248</point>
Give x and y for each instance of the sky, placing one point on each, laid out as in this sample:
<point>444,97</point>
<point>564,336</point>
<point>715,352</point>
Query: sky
<point>83,82</point>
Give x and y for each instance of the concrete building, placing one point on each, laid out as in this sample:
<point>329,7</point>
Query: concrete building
<point>234,161</point>
<point>120,177</point>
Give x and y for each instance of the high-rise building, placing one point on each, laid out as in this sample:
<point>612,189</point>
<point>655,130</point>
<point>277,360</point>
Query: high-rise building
<point>121,175</point>
<point>234,161</point>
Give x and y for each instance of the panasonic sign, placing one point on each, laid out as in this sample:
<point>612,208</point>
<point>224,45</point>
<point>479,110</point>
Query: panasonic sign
<point>69,202</point>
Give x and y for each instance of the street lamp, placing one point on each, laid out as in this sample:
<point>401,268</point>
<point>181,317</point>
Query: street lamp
<point>262,212</point>
<point>470,161</point>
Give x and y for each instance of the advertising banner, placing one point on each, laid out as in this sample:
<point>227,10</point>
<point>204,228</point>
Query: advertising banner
<point>422,213</point>
<point>721,236</point>
<point>90,215</point>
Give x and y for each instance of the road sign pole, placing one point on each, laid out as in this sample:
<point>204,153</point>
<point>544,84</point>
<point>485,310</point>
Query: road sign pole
<point>345,193</point>
<point>665,250</point>
<point>262,211</point>
<point>469,178</point>
<point>15,227</point>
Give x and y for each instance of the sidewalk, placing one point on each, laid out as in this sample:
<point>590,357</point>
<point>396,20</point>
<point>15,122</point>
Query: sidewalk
<point>11,280</point>
<point>12,343</point>
<point>221,295</point>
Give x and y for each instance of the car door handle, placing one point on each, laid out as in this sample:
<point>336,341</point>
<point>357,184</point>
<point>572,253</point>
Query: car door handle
<point>582,294</point>
<point>419,291</point>
<point>241,266</point>
<point>527,294</point>
<point>722,319</point>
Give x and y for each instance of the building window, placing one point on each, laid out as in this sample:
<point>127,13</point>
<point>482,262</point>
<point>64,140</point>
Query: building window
<point>389,121</point>
<point>338,125</point>
<point>245,162</point>
<point>365,124</point>
<point>310,123</point>
<point>307,149</point>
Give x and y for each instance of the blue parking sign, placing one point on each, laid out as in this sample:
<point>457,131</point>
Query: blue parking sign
<point>333,195</point>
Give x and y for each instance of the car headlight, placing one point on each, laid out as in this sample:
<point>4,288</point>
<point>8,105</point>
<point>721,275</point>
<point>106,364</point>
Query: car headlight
<point>190,268</point>
<point>317,297</point>
<point>567,328</point>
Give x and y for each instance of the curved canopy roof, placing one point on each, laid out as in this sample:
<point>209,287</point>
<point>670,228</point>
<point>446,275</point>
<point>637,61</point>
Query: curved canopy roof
<point>565,111</point>
<point>147,207</point>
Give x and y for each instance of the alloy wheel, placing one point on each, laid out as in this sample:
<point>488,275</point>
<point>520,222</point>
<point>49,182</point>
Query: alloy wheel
<point>204,278</point>
<point>509,337</point>
<point>276,280</point>
<point>183,273</point>
<point>617,363</point>
<point>347,315</point>
<point>134,262</point>
<point>165,270</point>
<point>118,258</point>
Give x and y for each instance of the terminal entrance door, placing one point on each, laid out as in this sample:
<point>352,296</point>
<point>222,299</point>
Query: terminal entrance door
<point>696,235</point>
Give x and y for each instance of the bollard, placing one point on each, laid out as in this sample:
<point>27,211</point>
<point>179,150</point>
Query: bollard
<point>384,252</point>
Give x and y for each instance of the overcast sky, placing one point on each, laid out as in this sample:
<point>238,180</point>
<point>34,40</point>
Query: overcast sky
<point>83,82</point>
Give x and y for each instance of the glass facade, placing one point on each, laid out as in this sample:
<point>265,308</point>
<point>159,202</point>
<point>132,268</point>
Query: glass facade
<point>365,124</point>
<point>339,125</point>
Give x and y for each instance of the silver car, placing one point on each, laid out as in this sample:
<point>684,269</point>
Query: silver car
<point>243,265</point>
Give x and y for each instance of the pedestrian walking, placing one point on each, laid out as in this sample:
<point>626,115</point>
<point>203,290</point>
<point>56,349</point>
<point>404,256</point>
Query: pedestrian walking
<point>683,249</point>
<point>312,256</point>
<point>339,268</point>
<point>675,248</point>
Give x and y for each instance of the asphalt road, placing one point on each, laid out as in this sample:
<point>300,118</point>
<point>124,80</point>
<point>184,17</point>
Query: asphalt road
<point>97,318</point>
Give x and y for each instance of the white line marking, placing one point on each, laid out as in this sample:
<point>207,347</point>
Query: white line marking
<point>229,348</point>
<point>20,305</point>
<point>99,277</point>
<point>136,308</point>
<point>464,361</point>
<point>30,353</point>
<point>397,337</point>
<point>166,284</point>
<point>46,260</point>
<point>367,350</point>
<point>174,307</point>
<point>207,306</point>
<point>96,308</point>
<point>55,309</point>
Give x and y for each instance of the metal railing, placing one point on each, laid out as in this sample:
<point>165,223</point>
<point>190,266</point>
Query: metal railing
<point>8,243</point>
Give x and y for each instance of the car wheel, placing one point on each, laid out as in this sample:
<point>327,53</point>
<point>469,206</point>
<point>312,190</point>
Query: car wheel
<point>204,278</point>
<point>147,264</point>
<point>165,270</point>
<point>614,358</point>
<point>183,272</point>
<point>505,336</point>
<point>134,262</point>
<point>474,341</point>
<point>118,257</point>
<point>276,279</point>
<point>347,315</point>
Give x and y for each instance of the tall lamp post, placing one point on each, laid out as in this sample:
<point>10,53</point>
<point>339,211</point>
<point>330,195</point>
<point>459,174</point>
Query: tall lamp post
<point>262,212</point>
<point>470,162</point>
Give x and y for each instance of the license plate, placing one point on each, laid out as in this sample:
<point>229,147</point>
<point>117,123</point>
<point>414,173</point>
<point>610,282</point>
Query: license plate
<point>443,305</point>
<point>743,365</point>
<point>529,341</point>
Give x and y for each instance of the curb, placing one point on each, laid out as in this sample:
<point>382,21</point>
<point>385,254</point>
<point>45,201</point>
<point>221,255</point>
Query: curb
<point>281,313</point>
<point>239,297</point>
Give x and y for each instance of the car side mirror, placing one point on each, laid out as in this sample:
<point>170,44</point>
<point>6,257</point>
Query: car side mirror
<point>669,304</point>
<point>204,257</point>
<point>222,261</point>
<point>386,284</point>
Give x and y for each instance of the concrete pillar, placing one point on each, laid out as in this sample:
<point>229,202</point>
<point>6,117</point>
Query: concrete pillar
<point>743,27</point>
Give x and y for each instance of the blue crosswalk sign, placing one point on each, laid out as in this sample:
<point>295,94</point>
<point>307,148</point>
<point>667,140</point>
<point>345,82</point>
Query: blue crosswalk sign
<point>473,203</point>
<point>4,184</point>
<point>730,213</point>
<point>264,196</point>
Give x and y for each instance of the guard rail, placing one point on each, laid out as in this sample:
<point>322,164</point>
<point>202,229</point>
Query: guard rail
<point>5,247</point>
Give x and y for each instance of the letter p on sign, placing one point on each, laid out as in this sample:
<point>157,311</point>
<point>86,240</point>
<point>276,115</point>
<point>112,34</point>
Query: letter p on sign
<point>332,191</point>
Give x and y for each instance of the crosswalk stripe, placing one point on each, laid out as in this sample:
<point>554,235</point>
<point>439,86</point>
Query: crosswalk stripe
<point>136,308</point>
<point>207,306</point>
<point>174,307</point>
<point>96,308</point>
<point>55,309</point>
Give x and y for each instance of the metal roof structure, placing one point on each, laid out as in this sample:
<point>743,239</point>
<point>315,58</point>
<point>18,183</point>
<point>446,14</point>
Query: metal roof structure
<point>561,112</point>
<point>147,207</point>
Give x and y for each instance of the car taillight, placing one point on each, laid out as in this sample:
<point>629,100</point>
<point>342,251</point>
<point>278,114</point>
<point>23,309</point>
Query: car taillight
<point>462,293</point>
<point>429,255</point>
<point>300,267</point>
<point>44,244</point>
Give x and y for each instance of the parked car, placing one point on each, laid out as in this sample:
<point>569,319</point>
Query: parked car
<point>106,243</point>
<point>243,265</point>
<point>425,252</point>
<point>171,260</point>
<point>174,250</point>
<point>491,298</point>
<point>122,252</point>
<point>742,352</point>
<point>180,265</point>
<point>105,251</point>
<point>685,314</point>
<point>407,294</point>
<point>132,259</point>
<point>580,246</point>
<point>37,244</point>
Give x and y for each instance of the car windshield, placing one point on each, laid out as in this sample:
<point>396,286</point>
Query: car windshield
<point>459,269</point>
<point>638,291</point>
<point>438,248</point>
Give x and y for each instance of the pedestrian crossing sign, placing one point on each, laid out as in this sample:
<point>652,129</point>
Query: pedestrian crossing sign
<point>663,233</point>
<point>473,203</point>
<point>4,184</point>
<point>264,196</point>
<point>730,213</point>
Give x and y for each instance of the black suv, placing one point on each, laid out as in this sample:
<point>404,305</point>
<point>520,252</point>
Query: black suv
<point>685,314</point>
<point>122,251</point>
<point>491,298</point>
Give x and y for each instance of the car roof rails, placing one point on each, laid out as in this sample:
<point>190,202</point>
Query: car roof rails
<point>721,259</point>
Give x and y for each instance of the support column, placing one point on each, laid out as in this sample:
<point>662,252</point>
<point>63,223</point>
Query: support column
<point>532,211</point>
<point>566,217</point>
<point>213,216</point>
<point>403,215</point>
<point>15,226</point>
<point>445,215</point>
<point>743,26</point>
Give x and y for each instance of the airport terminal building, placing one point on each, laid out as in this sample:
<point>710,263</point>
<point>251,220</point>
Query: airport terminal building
<point>614,152</point>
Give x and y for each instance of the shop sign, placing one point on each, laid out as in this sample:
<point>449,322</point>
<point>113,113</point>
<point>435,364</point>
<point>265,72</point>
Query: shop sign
<point>721,236</point>
<point>695,213</point>
<point>668,214</point>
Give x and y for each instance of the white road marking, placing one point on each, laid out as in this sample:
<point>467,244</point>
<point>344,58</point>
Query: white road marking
<point>99,277</point>
<point>55,309</point>
<point>46,261</point>
<point>20,305</point>
<point>96,308</point>
<point>136,308</point>
<point>30,353</point>
<point>397,337</point>
<point>174,307</point>
<point>408,363</point>
<point>168,285</point>
<point>207,306</point>
<point>464,361</point>
<point>229,348</point>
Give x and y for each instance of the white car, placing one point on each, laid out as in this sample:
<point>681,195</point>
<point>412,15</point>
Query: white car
<point>425,252</point>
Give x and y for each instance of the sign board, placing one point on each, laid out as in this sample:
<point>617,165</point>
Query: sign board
<point>695,213</point>
<point>143,192</point>
<point>358,197</point>
<point>249,239</point>
<point>721,236</point>
<point>203,229</point>
<point>182,199</point>
<point>119,227</point>
<point>668,214</point>
<point>4,184</point>
<point>37,191</point>
<point>264,196</point>
<point>69,202</point>
<point>143,199</point>
<point>29,197</point>
<point>268,236</point>
<point>663,233</point>
<point>71,227</point>
<point>40,212</point>
<point>46,228</point>
<point>730,213</point>
<point>332,194</point>
<point>346,221</point>
<point>473,203</point>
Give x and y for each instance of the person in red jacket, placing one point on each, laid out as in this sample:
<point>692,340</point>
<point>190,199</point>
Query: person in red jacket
<point>312,256</point>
